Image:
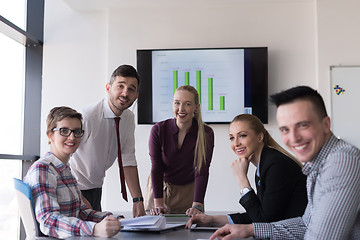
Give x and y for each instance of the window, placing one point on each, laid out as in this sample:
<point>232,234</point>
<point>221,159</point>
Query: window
<point>11,90</point>
<point>14,11</point>
<point>9,222</point>
<point>21,30</point>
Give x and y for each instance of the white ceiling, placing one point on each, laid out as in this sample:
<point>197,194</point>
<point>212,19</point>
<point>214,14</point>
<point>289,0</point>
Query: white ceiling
<point>90,5</point>
<point>104,4</point>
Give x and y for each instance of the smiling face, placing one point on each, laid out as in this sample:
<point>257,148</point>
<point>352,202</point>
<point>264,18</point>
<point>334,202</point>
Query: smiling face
<point>302,130</point>
<point>184,106</point>
<point>243,140</point>
<point>62,146</point>
<point>122,93</point>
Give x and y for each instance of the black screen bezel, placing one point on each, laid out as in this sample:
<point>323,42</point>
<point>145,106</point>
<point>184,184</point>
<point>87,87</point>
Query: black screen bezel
<point>256,82</point>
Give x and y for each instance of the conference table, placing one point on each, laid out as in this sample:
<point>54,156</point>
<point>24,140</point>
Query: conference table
<point>183,234</point>
<point>175,234</point>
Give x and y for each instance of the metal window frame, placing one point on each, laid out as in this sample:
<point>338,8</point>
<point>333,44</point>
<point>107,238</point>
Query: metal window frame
<point>32,39</point>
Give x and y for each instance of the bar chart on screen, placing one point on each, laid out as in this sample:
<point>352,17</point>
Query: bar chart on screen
<point>219,82</point>
<point>210,90</point>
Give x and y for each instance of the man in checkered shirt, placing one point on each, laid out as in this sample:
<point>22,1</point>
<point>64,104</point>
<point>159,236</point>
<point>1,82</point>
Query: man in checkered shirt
<point>332,167</point>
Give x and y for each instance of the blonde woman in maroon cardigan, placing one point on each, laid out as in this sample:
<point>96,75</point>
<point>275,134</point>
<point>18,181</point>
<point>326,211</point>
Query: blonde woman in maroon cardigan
<point>180,150</point>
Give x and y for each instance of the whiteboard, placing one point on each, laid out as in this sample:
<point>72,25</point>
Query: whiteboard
<point>345,103</point>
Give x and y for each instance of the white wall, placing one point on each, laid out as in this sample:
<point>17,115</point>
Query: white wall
<point>338,39</point>
<point>75,59</point>
<point>83,47</point>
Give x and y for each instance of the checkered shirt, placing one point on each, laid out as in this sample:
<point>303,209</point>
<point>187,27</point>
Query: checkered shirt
<point>333,189</point>
<point>58,205</point>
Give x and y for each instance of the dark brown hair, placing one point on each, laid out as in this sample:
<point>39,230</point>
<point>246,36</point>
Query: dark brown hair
<point>301,93</point>
<point>125,71</point>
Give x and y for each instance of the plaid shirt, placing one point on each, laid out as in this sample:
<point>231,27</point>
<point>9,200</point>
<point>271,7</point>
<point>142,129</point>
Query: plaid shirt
<point>58,205</point>
<point>333,188</point>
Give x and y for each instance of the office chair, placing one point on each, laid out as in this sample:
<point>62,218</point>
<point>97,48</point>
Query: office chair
<point>26,209</point>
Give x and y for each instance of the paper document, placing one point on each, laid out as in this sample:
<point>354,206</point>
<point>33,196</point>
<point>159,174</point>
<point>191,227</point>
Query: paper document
<point>144,222</point>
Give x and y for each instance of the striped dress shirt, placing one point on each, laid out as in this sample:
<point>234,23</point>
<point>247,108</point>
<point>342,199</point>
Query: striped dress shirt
<point>333,189</point>
<point>58,206</point>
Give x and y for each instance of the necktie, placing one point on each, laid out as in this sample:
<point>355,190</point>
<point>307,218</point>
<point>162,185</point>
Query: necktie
<point>257,181</point>
<point>121,169</point>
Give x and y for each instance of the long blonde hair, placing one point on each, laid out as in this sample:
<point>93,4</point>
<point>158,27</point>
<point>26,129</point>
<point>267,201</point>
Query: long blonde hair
<point>200,147</point>
<point>258,127</point>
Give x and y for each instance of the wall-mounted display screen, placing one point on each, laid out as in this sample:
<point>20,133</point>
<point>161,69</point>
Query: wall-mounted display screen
<point>229,81</point>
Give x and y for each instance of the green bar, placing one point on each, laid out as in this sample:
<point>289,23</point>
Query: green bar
<point>175,80</point>
<point>210,93</point>
<point>187,78</point>
<point>222,102</point>
<point>198,83</point>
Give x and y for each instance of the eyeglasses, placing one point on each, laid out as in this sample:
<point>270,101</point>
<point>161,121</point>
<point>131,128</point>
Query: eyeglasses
<point>78,133</point>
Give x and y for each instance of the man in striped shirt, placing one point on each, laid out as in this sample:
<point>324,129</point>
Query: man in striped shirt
<point>332,167</point>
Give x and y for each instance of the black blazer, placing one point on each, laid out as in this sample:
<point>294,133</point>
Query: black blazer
<point>281,191</point>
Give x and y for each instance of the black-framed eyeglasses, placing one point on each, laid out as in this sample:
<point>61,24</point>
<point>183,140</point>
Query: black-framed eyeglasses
<point>78,133</point>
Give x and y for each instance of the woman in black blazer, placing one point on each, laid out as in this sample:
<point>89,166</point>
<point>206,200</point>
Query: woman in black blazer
<point>280,184</point>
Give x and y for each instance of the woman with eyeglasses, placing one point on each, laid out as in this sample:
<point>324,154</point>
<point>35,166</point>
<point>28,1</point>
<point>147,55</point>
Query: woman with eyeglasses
<point>59,209</point>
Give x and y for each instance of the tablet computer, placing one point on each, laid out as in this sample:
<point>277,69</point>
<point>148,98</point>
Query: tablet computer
<point>200,227</point>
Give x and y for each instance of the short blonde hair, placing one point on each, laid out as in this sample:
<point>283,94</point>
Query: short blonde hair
<point>59,113</point>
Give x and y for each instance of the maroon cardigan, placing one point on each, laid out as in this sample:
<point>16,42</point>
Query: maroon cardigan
<point>176,166</point>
